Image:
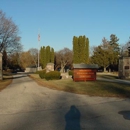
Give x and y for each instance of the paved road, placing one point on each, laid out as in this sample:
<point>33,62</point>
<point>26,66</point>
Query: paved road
<point>24,105</point>
<point>115,80</point>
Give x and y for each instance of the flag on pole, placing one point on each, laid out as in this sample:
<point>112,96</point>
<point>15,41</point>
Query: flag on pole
<point>38,37</point>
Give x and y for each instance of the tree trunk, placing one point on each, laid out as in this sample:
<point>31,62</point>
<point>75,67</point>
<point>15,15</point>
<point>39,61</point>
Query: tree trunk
<point>104,69</point>
<point>62,69</point>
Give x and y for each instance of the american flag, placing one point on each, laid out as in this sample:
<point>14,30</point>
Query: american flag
<point>38,37</point>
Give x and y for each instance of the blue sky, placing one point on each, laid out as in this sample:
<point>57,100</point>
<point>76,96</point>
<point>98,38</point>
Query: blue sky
<point>59,20</point>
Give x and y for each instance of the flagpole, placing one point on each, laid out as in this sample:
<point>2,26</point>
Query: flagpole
<point>38,55</point>
<point>38,48</point>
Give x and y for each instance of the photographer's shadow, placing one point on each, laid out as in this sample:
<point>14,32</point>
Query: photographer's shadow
<point>72,119</point>
<point>125,114</point>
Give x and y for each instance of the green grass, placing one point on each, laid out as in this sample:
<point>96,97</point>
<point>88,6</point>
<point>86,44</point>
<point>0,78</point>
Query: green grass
<point>92,88</point>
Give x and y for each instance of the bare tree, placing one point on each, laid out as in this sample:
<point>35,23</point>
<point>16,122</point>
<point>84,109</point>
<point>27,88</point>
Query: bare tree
<point>64,58</point>
<point>124,48</point>
<point>34,54</point>
<point>13,60</point>
<point>9,39</point>
<point>26,59</point>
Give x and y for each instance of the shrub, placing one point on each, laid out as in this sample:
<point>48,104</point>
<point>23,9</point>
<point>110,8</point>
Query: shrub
<point>52,75</point>
<point>41,73</point>
<point>70,72</point>
<point>37,72</point>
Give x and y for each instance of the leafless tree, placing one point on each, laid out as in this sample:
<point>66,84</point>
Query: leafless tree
<point>26,59</point>
<point>64,58</point>
<point>34,54</point>
<point>9,39</point>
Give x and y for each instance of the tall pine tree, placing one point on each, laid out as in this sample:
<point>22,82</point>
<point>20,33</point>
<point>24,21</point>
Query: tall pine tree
<point>75,49</point>
<point>114,48</point>
<point>80,49</point>
<point>41,56</point>
<point>52,55</point>
<point>86,57</point>
<point>46,56</point>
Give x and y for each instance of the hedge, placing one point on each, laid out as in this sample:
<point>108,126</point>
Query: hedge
<point>41,73</point>
<point>52,75</point>
<point>70,72</point>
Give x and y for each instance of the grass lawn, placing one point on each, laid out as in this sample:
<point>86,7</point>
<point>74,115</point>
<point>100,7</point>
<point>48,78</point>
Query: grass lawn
<point>7,79</point>
<point>92,88</point>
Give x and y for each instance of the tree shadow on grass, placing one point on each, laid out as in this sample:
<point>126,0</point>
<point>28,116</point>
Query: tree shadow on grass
<point>113,89</point>
<point>72,119</point>
<point>108,76</point>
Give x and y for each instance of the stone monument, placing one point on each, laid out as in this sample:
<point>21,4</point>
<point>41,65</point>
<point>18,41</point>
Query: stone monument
<point>124,66</point>
<point>1,72</point>
<point>50,67</point>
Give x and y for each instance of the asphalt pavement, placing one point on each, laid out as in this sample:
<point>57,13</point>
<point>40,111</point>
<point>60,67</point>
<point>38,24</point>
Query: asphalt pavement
<point>24,105</point>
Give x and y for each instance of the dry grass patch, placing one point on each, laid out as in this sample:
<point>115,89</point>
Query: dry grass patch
<point>92,88</point>
<point>5,82</point>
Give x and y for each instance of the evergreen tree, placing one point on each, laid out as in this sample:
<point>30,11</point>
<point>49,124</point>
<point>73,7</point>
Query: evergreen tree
<point>100,57</point>
<point>75,49</point>
<point>44,57</point>
<point>48,54</point>
<point>107,53</point>
<point>86,57</point>
<point>80,49</point>
<point>41,56</point>
<point>52,55</point>
<point>115,50</point>
<point>114,43</point>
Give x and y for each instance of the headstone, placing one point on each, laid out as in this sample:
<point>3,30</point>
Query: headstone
<point>50,67</point>
<point>1,73</point>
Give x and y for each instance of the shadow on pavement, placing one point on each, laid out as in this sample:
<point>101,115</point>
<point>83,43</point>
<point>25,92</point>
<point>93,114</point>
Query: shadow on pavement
<point>46,109</point>
<point>125,114</point>
<point>16,77</point>
<point>72,119</point>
